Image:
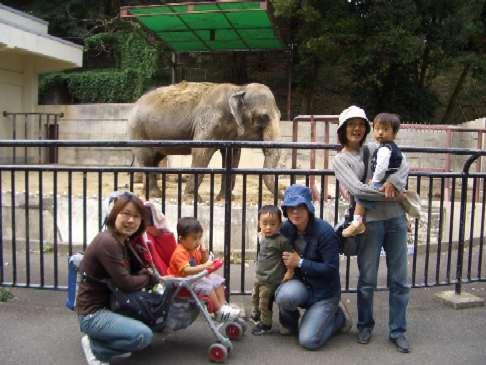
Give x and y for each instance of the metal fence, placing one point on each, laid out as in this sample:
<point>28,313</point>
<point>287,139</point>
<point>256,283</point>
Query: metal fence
<point>38,126</point>
<point>49,211</point>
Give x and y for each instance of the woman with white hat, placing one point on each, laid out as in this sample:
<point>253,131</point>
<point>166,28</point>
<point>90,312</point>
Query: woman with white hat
<point>386,227</point>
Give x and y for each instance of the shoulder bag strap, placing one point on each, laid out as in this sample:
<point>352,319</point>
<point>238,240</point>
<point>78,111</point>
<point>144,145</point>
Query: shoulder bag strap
<point>140,261</point>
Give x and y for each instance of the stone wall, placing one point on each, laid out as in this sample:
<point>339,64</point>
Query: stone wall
<point>92,224</point>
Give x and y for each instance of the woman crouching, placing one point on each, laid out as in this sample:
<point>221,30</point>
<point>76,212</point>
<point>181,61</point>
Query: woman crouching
<point>109,334</point>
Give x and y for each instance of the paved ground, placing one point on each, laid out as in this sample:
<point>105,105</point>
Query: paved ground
<point>36,329</point>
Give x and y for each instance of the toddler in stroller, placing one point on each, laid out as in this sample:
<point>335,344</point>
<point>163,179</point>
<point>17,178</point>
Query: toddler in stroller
<point>186,270</point>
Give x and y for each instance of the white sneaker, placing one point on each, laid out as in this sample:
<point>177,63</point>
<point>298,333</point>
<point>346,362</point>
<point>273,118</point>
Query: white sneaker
<point>88,353</point>
<point>227,313</point>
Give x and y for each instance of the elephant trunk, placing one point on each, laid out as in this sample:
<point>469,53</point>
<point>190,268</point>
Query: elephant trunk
<point>272,156</point>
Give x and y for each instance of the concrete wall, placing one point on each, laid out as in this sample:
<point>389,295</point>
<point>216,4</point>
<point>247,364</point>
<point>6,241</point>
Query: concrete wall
<point>92,224</point>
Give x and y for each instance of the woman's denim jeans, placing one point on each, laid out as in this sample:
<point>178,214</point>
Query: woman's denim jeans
<point>391,234</point>
<point>112,334</point>
<point>319,322</point>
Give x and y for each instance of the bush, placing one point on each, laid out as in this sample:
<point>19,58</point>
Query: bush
<point>135,66</point>
<point>5,295</point>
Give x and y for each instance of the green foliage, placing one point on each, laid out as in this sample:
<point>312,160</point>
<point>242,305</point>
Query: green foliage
<point>137,68</point>
<point>385,54</point>
<point>417,58</point>
<point>105,86</point>
<point>5,295</point>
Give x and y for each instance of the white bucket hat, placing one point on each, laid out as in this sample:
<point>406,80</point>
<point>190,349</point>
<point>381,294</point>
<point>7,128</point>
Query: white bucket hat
<point>353,112</point>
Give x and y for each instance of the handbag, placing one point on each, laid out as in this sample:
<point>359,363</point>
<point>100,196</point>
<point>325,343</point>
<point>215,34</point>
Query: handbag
<point>349,245</point>
<point>147,306</point>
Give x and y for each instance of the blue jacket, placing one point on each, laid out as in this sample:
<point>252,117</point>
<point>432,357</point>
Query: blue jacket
<point>320,266</point>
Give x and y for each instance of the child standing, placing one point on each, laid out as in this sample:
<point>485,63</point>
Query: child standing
<point>190,257</point>
<point>386,160</point>
<point>270,270</point>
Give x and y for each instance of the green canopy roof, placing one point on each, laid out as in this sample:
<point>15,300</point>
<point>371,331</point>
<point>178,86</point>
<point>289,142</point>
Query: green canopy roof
<point>223,25</point>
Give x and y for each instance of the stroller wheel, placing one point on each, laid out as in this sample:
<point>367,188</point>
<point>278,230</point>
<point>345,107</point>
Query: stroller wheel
<point>217,352</point>
<point>233,330</point>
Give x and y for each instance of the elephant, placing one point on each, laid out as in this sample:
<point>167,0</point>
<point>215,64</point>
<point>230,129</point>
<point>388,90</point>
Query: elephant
<point>204,111</point>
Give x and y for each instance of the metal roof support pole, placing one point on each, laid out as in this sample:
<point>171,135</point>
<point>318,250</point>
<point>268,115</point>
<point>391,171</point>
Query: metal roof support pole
<point>173,68</point>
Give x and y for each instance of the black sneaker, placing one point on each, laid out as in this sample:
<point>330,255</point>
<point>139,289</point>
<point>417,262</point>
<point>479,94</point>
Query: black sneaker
<point>255,317</point>
<point>261,329</point>
<point>364,335</point>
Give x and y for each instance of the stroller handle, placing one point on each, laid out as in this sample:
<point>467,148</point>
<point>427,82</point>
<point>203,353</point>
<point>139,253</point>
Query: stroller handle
<point>192,278</point>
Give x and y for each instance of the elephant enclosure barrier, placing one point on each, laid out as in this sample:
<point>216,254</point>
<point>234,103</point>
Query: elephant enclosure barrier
<point>49,211</point>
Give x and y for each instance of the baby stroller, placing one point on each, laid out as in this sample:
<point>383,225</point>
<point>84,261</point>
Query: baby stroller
<point>183,305</point>
<point>155,248</point>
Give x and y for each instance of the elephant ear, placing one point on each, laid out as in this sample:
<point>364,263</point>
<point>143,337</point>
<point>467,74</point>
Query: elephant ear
<point>236,102</point>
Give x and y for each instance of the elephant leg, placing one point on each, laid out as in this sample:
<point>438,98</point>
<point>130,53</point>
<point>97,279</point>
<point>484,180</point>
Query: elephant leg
<point>235,160</point>
<point>148,158</point>
<point>200,158</point>
<point>272,157</point>
<point>139,154</point>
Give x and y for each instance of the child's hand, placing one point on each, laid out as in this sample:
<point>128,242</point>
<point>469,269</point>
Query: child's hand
<point>289,274</point>
<point>208,264</point>
<point>204,253</point>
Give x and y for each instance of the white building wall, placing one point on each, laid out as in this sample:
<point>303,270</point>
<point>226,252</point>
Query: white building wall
<point>26,50</point>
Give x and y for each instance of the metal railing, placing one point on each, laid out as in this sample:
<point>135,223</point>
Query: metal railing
<point>448,131</point>
<point>49,211</point>
<point>38,126</point>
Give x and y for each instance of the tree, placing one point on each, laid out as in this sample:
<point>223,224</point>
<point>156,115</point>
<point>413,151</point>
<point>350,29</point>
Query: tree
<point>382,54</point>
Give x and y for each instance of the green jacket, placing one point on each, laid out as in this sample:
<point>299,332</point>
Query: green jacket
<point>269,266</point>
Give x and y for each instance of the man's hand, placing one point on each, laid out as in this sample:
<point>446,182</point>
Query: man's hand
<point>389,190</point>
<point>289,274</point>
<point>291,259</point>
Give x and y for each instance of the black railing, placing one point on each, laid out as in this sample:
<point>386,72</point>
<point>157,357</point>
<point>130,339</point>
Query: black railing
<point>38,126</point>
<point>49,211</point>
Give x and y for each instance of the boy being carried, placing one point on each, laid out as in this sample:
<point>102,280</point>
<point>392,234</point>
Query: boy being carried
<point>386,160</point>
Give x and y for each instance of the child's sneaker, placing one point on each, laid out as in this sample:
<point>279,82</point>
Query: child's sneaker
<point>88,353</point>
<point>255,316</point>
<point>227,313</point>
<point>261,329</point>
<point>354,229</point>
